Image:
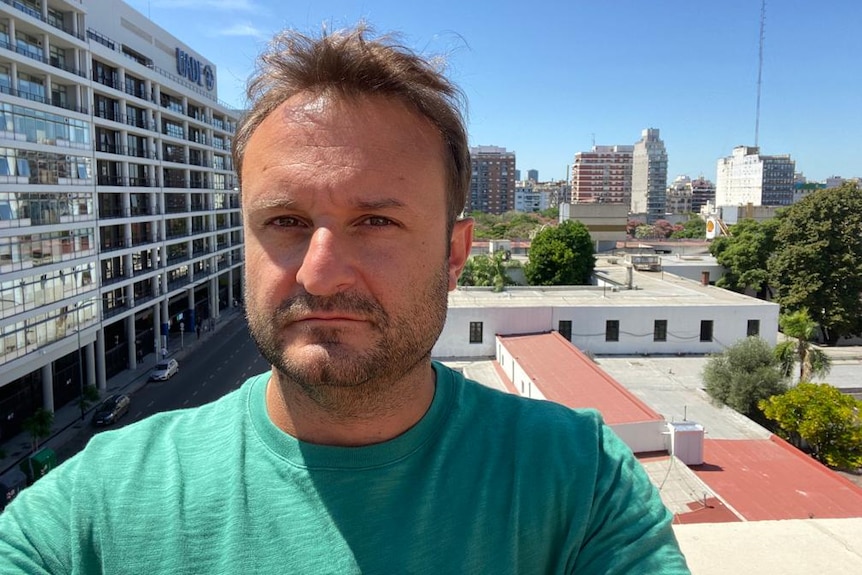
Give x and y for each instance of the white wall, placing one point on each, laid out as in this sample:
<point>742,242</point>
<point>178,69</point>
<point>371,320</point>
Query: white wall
<point>730,323</point>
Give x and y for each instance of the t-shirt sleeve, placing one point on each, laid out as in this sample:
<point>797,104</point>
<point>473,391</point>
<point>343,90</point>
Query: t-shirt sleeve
<point>630,528</point>
<point>36,528</point>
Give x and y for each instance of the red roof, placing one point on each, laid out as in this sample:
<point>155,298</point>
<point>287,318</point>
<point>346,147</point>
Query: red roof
<point>565,375</point>
<point>771,479</point>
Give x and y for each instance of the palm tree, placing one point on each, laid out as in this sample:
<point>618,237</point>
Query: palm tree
<point>801,328</point>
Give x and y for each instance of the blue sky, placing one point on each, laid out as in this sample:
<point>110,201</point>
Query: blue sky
<point>546,78</point>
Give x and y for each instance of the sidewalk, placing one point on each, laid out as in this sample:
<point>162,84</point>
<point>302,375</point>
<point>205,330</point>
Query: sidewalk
<point>67,419</point>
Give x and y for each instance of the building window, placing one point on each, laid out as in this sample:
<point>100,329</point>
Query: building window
<point>659,331</point>
<point>565,329</point>
<point>753,329</point>
<point>706,330</point>
<point>612,330</point>
<point>475,332</point>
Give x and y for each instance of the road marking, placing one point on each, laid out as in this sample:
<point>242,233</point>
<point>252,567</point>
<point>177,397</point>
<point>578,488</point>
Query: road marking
<point>150,404</point>
<point>139,414</point>
<point>194,393</point>
<point>186,402</point>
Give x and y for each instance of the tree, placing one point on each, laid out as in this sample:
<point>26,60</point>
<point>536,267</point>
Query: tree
<point>561,255</point>
<point>812,361</point>
<point>746,255</point>
<point>823,418</point>
<point>744,374</point>
<point>695,227</point>
<point>818,265</point>
<point>632,226</point>
<point>38,426</point>
<point>486,270</point>
<point>663,229</point>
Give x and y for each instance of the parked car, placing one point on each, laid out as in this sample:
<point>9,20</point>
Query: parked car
<point>165,370</point>
<point>111,410</point>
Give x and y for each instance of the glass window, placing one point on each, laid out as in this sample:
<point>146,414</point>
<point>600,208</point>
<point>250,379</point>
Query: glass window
<point>475,332</point>
<point>565,329</point>
<point>753,328</point>
<point>612,330</point>
<point>660,330</point>
<point>706,330</point>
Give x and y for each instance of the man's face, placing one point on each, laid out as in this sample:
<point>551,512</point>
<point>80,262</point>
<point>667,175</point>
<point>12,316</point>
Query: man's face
<point>348,263</point>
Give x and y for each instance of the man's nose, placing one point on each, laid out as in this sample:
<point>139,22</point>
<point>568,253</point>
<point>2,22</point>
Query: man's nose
<point>326,268</point>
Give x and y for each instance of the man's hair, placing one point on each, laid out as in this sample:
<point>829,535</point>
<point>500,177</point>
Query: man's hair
<point>349,64</point>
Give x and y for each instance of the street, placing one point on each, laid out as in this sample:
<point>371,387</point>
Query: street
<point>224,361</point>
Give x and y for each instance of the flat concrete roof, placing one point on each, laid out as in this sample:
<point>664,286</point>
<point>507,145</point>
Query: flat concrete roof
<point>794,547</point>
<point>651,289</point>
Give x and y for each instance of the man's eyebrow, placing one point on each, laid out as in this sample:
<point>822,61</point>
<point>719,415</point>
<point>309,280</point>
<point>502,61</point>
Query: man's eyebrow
<point>288,203</point>
<point>272,203</point>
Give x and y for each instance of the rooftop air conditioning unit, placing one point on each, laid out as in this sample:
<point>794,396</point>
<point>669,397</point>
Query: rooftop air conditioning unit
<point>686,441</point>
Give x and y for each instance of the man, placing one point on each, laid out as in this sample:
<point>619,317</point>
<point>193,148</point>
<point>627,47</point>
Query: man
<point>356,453</point>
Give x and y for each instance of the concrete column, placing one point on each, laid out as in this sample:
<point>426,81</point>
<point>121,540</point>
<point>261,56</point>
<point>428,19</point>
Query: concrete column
<point>157,330</point>
<point>214,303</point>
<point>90,353</point>
<point>230,296</point>
<point>48,387</point>
<point>101,380</point>
<point>130,337</point>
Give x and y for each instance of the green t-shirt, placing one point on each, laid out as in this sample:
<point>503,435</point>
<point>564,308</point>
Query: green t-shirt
<point>485,483</point>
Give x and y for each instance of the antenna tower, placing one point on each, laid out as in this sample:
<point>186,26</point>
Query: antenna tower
<point>760,71</point>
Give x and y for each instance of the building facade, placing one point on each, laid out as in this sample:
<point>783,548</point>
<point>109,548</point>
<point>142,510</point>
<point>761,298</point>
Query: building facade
<point>702,193</point>
<point>747,177</point>
<point>602,176</point>
<point>678,196</point>
<point>492,180</point>
<point>119,207</point>
<point>649,176</point>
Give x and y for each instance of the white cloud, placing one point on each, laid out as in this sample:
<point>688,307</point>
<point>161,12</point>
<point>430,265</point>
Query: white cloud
<point>242,30</point>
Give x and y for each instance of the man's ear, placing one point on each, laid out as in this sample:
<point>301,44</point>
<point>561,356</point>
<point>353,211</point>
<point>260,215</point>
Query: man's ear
<point>459,249</point>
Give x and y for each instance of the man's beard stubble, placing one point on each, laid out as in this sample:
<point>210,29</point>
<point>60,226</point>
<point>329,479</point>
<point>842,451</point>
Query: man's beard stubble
<point>358,380</point>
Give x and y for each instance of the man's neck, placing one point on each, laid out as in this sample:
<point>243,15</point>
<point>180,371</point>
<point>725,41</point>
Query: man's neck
<point>352,417</point>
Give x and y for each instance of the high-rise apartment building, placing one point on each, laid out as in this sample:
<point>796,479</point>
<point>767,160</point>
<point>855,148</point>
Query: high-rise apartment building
<point>603,175</point>
<point>533,175</point>
<point>492,180</point>
<point>747,177</point>
<point>649,176</point>
<point>119,211</point>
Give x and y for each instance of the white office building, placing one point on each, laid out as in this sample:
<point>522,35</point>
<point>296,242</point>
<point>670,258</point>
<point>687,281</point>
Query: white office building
<point>119,212</point>
<point>747,177</point>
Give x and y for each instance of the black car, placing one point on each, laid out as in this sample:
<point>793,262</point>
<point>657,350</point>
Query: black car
<point>111,410</point>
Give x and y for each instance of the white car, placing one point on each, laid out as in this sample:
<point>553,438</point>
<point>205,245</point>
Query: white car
<point>164,370</point>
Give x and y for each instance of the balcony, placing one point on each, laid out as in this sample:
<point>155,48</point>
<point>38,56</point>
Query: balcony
<point>50,21</point>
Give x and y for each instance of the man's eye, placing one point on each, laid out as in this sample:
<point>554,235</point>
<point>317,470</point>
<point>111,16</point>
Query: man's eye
<point>286,222</point>
<point>377,221</point>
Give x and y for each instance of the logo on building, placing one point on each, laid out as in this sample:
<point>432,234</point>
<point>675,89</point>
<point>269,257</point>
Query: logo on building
<point>194,70</point>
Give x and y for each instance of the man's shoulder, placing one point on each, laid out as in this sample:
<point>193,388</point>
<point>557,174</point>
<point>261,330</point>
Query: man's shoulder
<point>186,429</point>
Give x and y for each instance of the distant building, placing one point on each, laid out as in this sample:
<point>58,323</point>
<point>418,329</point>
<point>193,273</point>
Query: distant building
<point>649,175</point>
<point>803,189</point>
<point>685,196</point>
<point>603,176</point>
<point>605,222</point>
<point>678,196</point>
<point>517,175</point>
<point>747,177</point>
<point>492,183</point>
<point>702,193</point>
<point>533,175</point>
<point>528,198</point>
